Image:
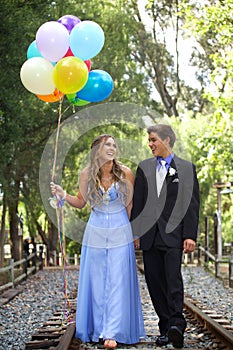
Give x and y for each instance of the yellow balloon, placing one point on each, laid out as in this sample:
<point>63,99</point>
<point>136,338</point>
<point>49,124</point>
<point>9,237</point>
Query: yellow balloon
<point>70,74</point>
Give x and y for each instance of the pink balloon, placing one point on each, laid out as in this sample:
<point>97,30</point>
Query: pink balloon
<point>52,40</point>
<point>69,53</point>
<point>88,64</point>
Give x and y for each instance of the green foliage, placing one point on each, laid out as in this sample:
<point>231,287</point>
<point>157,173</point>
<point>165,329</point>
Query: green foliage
<point>211,24</point>
<point>26,122</point>
<point>207,140</point>
<point>73,248</point>
<point>140,62</point>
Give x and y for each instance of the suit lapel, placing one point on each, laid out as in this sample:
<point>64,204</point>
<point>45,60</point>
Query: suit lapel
<point>152,175</point>
<point>169,177</point>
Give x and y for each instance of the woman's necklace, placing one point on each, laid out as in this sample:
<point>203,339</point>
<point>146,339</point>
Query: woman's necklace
<point>105,195</point>
<point>105,182</point>
<point>106,178</point>
<point>105,189</point>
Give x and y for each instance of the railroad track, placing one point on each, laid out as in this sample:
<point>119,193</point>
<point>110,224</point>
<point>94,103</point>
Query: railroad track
<point>57,332</point>
<point>211,321</point>
<point>206,329</point>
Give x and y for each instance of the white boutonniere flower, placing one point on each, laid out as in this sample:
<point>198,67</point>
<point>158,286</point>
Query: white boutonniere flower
<point>171,171</point>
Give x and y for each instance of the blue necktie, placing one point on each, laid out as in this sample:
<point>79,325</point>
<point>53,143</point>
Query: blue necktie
<point>160,175</point>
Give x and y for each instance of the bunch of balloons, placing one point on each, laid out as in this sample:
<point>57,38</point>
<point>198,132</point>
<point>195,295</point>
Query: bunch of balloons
<point>59,62</point>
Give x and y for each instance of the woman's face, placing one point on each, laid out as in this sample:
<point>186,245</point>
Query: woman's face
<point>108,149</point>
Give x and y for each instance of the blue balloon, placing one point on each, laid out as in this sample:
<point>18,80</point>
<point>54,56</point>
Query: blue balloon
<point>86,39</point>
<point>98,87</point>
<point>33,51</point>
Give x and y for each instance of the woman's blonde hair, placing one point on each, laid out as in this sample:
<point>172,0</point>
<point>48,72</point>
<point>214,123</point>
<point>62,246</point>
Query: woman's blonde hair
<point>94,176</point>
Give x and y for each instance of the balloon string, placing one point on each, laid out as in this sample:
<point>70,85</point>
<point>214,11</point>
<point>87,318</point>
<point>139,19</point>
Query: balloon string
<point>62,243</point>
<point>57,138</point>
<point>60,219</point>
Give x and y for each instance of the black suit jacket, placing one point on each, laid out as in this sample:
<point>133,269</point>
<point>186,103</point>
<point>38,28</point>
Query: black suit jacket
<point>173,216</point>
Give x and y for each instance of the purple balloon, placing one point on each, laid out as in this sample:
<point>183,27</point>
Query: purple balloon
<point>69,21</point>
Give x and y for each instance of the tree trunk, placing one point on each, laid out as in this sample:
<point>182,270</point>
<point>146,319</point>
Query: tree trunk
<point>52,236</point>
<point>158,62</point>
<point>16,235</point>
<point>2,231</point>
<point>16,238</point>
<point>51,240</point>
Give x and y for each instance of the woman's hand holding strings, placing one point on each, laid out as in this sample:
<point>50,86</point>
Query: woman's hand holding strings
<point>57,190</point>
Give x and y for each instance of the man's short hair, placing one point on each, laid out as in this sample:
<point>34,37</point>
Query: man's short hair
<point>163,131</point>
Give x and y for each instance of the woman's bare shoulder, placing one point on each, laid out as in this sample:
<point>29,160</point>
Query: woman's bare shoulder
<point>84,174</point>
<point>128,172</point>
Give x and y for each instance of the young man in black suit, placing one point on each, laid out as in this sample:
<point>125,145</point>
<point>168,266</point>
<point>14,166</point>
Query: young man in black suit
<point>166,220</point>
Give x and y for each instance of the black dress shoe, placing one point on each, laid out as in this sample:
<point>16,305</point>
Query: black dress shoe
<point>175,336</point>
<point>162,340</point>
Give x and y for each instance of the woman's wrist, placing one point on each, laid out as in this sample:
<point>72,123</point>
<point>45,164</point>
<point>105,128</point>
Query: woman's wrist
<point>64,196</point>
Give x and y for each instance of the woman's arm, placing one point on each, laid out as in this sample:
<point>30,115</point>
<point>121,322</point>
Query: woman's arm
<point>78,201</point>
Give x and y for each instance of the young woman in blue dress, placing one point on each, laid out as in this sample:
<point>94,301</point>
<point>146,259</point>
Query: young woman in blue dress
<point>108,303</point>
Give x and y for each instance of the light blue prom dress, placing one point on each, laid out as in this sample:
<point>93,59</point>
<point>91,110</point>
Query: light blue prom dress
<point>108,303</point>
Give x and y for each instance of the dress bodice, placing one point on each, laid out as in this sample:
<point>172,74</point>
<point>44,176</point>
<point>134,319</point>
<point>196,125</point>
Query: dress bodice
<point>113,199</point>
<point>108,225</point>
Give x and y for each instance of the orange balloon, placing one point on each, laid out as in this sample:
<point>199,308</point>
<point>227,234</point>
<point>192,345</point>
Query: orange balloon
<point>54,97</point>
<point>70,74</point>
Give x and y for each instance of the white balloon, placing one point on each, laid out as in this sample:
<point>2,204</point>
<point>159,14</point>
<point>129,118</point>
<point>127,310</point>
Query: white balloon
<point>37,76</point>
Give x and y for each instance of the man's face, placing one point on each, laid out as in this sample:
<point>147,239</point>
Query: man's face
<point>159,147</point>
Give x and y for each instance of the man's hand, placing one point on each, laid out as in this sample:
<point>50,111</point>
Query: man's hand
<point>189,245</point>
<point>137,243</point>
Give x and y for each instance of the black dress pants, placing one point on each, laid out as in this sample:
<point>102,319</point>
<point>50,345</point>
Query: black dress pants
<point>164,280</point>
